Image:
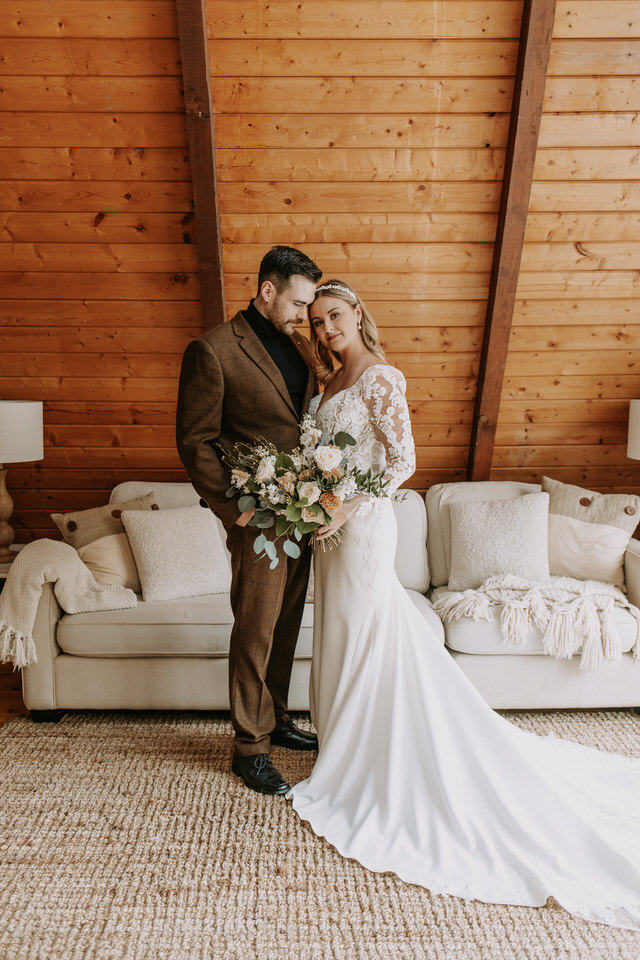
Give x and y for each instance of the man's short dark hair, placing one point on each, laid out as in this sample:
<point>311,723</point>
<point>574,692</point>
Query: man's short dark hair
<point>281,263</point>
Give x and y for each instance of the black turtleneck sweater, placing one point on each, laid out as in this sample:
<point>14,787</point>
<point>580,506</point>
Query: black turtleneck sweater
<point>284,354</point>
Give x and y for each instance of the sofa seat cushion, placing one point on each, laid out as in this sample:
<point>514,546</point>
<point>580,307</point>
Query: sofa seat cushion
<point>485,636</point>
<point>195,627</point>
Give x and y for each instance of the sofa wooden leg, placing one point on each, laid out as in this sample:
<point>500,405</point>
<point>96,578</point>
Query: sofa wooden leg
<point>46,716</point>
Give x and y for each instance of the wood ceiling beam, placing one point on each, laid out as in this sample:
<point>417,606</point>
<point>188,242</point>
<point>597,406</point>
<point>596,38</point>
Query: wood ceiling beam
<point>526,113</point>
<point>198,105</point>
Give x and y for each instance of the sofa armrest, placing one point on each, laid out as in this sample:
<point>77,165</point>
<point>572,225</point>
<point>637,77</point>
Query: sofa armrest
<point>632,571</point>
<point>38,680</point>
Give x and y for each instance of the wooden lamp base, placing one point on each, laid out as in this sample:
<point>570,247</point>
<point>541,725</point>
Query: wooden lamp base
<point>7,533</point>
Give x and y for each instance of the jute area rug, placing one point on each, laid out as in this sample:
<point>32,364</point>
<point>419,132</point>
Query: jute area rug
<point>126,837</point>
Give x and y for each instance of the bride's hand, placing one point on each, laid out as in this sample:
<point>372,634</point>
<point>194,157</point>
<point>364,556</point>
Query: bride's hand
<point>340,518</point>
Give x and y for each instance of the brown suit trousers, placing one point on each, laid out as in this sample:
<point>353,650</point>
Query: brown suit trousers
<point>232,391</point>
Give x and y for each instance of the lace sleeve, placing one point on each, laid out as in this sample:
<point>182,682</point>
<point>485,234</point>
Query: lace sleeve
<point>383,391</point>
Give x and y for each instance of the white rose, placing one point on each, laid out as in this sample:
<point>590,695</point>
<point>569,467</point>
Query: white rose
<point>310,491</point>
<point>266,469</point>
<point>328,457</point>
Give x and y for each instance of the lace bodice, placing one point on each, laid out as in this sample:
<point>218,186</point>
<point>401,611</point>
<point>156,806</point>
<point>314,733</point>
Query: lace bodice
<point>374,411</point>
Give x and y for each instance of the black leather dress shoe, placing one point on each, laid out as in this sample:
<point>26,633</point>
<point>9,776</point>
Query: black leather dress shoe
<point>259,773</point>
<point>292,737</point>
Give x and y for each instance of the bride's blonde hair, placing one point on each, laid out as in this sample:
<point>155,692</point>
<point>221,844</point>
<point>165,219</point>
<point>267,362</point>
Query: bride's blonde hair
<point>322,356</point>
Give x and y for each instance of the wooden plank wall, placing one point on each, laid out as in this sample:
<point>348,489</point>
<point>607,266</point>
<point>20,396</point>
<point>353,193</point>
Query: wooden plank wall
<point>372,135</point>
<point>99,287</point>
<point>574,359</point>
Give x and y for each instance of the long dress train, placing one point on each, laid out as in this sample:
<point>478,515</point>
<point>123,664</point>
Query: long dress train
<point>416,774</point>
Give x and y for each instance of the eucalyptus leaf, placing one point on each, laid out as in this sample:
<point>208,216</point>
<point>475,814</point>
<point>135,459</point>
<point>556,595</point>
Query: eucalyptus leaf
<point>259,543</point>
<point>265,523</point>
<point>293,513</point>
<point>297,534</point>
<point>231,492</point>
<point>270,549</point>
<point>282,526</point>
<point>284,462</point>
<point>308,527</point>
<point>343,439</point>
<point>274,563</point>
<point>291,549</point>
<point>247,502</point>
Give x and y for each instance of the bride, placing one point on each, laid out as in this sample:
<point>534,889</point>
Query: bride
<point>415,773</point>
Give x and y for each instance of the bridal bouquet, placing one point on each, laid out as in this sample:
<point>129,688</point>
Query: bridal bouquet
<point>296,493</point>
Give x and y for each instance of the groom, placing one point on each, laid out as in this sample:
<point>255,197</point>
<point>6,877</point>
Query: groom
<point>251,378</point>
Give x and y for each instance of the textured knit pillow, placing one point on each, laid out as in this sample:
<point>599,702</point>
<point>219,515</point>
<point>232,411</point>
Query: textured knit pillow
<point>111,561</point>
<point>589,531</point>
<point>178,553</point>
<point>85,526</point>
<point>497,537</point>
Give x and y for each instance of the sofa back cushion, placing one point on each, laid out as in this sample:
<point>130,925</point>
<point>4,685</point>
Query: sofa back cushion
<point>411,561</point>
<point>438,499</point>
<point>411,554</point>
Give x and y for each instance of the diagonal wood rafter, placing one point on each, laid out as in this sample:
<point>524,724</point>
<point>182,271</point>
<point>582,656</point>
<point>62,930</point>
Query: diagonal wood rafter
<point>526,113</point>
<point>196,75</point>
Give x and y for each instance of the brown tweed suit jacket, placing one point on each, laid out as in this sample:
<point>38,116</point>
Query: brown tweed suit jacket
<point>230,391</point>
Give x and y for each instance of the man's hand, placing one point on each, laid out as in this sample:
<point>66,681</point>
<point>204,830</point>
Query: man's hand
<point>244,518</point>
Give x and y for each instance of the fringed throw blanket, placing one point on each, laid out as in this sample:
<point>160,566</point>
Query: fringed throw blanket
<point>570,614</point>
<point>49,561</point>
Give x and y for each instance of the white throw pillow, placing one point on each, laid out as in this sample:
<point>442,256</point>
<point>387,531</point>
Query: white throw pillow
<point>497,537</point>
<point>111,561</point>
<point>179,553</point>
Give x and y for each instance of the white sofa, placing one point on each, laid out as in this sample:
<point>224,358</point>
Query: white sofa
<point>526,678</point>
<point>173,655</point>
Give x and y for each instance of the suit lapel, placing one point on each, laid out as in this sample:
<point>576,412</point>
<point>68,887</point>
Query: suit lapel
<point>255,349</point>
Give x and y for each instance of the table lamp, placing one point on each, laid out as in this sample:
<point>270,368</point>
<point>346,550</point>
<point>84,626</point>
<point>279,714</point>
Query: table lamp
<point>20,442</point>
<point>633,437</point>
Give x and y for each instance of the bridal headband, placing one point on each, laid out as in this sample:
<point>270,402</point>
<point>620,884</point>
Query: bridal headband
<point>335,286</point>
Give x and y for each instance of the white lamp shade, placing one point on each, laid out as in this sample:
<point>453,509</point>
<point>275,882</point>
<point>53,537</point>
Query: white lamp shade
<point>20,431</point>
<point>633,442</point>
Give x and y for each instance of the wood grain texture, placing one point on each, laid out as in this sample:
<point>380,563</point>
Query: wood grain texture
<point>96,163</point>
<point>533,57</point>
<point>375,58</point>
<point>93,130</point>
<point>360,166</point>
<point>82,94</point>
<point>354,94</point>
<point>97,198</point>
<point>319,131</point>
<point>192,35</point>
<point>114,227</point>
<point>101,57</point>
<point>374,139</point>
<point>71,18</point>
<point>323,198</point>
<point>376,19</point>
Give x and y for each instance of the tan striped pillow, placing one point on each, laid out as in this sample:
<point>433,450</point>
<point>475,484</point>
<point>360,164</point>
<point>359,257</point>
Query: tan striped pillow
<point>589,531</point>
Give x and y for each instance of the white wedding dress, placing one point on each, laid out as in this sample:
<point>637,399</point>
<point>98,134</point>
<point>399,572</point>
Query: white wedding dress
<point>415,773</point>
